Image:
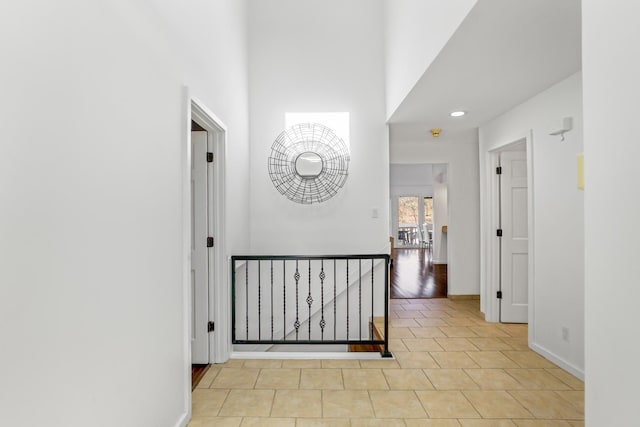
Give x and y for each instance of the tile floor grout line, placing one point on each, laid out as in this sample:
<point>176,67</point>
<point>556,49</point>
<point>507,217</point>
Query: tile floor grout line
<point>472,380</point>
<point>221,406</point>
<point>471,403</point>
<point>415,392</point>
<point>273,400</point>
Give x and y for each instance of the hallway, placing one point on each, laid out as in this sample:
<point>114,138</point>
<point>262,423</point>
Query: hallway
<point>414,275</point>
<point>451,368</point>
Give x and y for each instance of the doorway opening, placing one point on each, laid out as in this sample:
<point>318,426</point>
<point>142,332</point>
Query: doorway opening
<point>419,218</point>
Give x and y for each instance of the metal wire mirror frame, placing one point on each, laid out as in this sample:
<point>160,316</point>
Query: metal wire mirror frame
<point>304,138</point>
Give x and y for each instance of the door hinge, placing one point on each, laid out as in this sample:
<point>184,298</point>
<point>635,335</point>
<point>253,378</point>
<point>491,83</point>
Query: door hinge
<point>499,170</point>
<point>209,157</point>
<point>499,232</point>
<point>209,242</point>
<point>211,326</point>
<point>499,295</point>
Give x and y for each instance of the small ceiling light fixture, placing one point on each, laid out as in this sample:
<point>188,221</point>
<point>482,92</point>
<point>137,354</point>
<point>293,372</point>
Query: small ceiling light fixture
<point>457,113</point>
<point>435,132</point>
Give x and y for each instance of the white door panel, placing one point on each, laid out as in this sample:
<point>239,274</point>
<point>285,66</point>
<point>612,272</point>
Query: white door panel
<point>515,240</point>
<point>199,250</point>
<point>519,275</point>
<point>519,215</point>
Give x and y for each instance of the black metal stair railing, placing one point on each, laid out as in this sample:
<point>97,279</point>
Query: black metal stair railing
<point>318,300</point>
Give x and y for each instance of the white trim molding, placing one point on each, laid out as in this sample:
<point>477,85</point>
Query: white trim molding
<point>219,298</point>
<point>552,357</point>
<point>491,252</point>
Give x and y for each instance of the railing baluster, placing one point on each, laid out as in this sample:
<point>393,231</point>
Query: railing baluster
<point>335,301</point>
<point>233,299</point>
<point>284,300</point>
<point>360,298</point>
<point>259,304</point>
<point>297,322</point>
<point>309,301</point>
<point>246,295</point>
<point>372,298</point>
<point>347,300</point>
<point>271,300</point>
<point>322,322</point>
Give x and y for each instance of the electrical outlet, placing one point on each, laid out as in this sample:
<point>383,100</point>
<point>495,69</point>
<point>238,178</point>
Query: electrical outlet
<point>565,334</point>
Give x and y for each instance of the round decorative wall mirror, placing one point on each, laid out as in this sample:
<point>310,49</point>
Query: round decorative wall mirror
<point>309,163</point>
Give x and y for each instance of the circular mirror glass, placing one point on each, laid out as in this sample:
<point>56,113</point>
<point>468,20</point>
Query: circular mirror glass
<point>309,165</point>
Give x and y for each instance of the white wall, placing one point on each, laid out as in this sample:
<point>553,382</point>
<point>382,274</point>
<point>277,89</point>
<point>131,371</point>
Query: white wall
<point>91,297</point>
<point>210,46</point>
<point>410,144</point>
<point>415,32</point>
<point>418,175</point>
<point>558,213</point>
<point>611,92</point>
<point>319,56</point>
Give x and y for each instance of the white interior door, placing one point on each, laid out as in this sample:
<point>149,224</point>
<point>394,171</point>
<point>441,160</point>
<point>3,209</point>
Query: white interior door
<point>199,250</point>
<point>515,240</point>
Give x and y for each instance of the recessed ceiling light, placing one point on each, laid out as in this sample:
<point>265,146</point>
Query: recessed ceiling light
<point>458,113</point>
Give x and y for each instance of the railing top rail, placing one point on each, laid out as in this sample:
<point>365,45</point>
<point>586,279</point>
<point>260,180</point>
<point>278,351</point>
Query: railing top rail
<point>307,257</point>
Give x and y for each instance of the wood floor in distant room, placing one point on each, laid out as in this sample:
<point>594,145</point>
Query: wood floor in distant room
<point>414,275</point>
<point>197,372</point>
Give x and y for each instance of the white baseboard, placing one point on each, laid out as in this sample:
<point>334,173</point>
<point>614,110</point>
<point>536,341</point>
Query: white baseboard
<point>306,355</point>
<point>183,420</point>
<point>572,369</point>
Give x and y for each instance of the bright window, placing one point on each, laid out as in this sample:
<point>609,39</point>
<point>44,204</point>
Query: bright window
<point>428,209</point>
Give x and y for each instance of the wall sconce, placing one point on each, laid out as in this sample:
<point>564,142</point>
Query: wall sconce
<point>567,125</point>
<point>436,132</point>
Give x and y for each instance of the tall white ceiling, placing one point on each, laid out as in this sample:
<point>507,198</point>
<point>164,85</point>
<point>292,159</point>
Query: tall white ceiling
<point>503,53</point>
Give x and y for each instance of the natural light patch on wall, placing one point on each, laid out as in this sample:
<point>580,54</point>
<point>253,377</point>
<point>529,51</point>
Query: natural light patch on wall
<point>338,122</point>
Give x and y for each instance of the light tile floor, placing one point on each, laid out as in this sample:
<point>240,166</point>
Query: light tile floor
<point>451,368</point>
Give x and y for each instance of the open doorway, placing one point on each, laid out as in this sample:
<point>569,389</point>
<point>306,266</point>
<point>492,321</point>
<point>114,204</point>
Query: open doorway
<point>419,221</point>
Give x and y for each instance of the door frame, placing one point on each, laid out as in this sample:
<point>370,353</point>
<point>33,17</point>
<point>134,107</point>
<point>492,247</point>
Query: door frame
<point>491,244</point>
<point>219,295</point>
